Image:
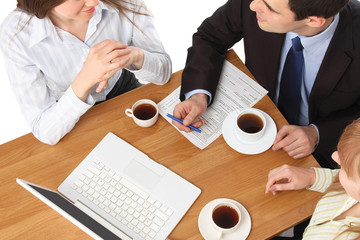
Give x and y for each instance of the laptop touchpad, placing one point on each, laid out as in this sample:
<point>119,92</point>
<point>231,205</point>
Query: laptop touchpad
<point>142,174</point>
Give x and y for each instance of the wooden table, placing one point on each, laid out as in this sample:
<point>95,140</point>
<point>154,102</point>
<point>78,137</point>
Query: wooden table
<point>218,170</point>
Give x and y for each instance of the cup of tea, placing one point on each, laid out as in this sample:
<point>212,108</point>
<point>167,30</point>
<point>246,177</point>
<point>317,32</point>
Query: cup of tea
<point>250,124</point>
<point>226,218</point>
<point>145,112</point>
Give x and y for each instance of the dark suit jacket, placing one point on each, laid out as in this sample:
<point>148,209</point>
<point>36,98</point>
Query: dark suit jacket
<point>335,97</point>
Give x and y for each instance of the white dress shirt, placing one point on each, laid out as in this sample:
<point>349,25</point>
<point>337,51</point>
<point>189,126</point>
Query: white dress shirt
<point>314,51</point>
<point>42,61</point>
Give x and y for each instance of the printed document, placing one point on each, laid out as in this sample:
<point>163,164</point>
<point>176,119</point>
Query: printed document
<point>235,90</point>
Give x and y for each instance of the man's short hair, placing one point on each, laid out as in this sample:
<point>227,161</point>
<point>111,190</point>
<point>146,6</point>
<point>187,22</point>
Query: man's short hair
<point>319,8</point>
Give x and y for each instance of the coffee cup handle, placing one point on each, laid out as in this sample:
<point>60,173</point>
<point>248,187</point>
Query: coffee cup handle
<point>219,235</point>
<point>129,112</point>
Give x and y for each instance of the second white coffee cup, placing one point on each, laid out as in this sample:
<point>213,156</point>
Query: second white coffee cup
<point>144,112</point>
<point>226,218</point>
<point>250,125</point>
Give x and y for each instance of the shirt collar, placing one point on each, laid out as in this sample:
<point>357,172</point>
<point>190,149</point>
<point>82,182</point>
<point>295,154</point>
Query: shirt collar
<point>103,6</point>
<point>100,12</point>
<point>40,29</point>
<point>314,42</point>
<point>44,28</point>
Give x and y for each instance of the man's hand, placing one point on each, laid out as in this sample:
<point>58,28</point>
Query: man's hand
<point>297,141</point>
<point>190,110</point>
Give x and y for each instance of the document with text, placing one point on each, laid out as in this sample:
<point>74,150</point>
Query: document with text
<point>235,90</point>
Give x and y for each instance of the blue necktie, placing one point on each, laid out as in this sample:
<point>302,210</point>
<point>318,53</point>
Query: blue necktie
<point>290,85</point>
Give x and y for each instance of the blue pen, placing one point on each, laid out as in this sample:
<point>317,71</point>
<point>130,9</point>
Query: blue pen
<point>180,121</point>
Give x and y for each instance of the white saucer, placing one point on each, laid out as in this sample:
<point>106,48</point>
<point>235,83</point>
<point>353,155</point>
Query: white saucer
<point>263,144</point>
<point>209,233</point>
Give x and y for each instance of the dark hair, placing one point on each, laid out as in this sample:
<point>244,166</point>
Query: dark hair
<point>38,8</point>
<point>319,8</point>
<point>41,8</point>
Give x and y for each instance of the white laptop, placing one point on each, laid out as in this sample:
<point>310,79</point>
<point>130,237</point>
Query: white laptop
<point>118,192</point>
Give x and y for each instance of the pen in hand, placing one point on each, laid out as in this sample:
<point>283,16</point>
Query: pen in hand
<point>180,121</point>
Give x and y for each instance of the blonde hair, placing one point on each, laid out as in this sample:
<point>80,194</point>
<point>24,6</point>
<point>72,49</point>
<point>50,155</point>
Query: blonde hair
<point>349,155</point>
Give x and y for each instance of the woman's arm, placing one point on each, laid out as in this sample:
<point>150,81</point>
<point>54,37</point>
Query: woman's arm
<point>157,66</point>
<point>289,177</point>
<point>49,118</point>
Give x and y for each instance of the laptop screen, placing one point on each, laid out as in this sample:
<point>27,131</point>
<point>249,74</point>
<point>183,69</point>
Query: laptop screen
<point>76,213</point>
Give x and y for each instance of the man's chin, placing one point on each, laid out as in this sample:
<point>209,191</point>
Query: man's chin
<point>268,29</point>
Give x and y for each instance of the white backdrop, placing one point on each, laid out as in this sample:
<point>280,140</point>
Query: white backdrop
<point>176,21</point>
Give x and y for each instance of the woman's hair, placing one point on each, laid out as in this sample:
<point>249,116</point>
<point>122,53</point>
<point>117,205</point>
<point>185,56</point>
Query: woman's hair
<point>41,8</point>
<point>319,8</point>
<point>349,155</point>
<point>38,8</point>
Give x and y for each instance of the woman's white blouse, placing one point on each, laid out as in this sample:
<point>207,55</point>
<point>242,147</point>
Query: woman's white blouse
<point>42,61</point>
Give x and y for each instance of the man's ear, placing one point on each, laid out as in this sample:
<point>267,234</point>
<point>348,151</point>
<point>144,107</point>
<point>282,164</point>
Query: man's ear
<point>315,21</point>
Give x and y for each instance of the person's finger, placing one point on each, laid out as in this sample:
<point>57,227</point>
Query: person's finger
<point>108,46</point>
<point>286,140</point>
<point>117,55</point>
<point>180,126</point>
<point>101,86</point>
<point>281,134</point>
<point>198,124</point>
<point>191,117</point>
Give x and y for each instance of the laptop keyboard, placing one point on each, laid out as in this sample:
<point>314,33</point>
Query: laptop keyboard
<point>123,200</point>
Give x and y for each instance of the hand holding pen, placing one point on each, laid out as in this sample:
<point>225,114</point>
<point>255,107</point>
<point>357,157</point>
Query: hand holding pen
<point>190,110</point>
<point>180,121</point>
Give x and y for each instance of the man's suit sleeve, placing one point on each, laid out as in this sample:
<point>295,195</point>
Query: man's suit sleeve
<point>331,128</point>
<point>214,37</point>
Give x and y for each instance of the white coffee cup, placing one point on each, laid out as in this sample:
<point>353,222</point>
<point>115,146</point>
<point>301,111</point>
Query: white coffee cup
<point>144,112</point>
<point>225,218</point>
<point>250,125</point>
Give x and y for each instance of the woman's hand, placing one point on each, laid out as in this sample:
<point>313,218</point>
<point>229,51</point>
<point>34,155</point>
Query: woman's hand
<point>136,58</point>
<point>103,61</point>
<point>289,178</point>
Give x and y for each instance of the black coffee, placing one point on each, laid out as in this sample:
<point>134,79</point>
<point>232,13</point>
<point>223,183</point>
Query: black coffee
<point>145,111</point>
<point>225,217</point>
<point>250,123</point>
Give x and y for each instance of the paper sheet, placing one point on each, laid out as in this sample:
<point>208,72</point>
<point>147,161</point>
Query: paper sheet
<point>236,90</point>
